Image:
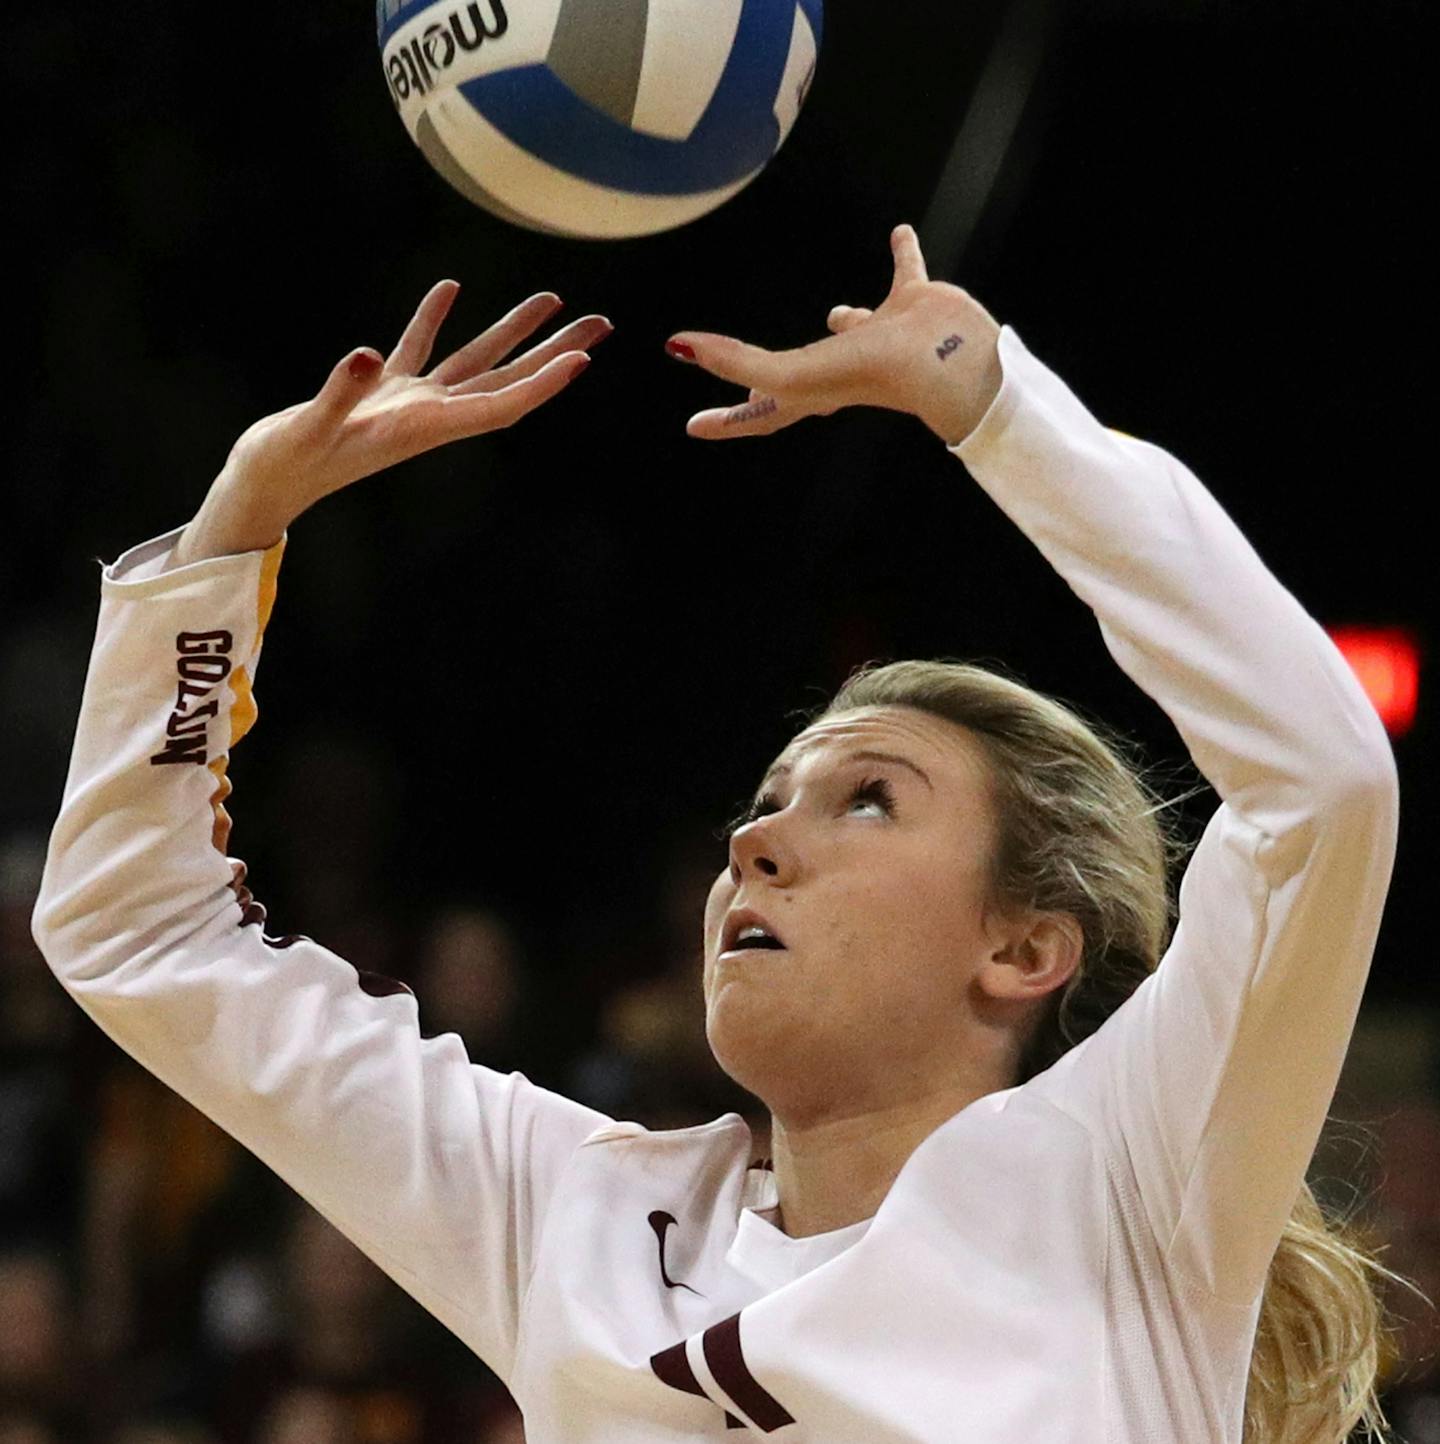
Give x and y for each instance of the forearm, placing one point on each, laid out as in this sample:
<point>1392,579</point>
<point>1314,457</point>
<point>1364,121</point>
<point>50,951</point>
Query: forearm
<point>953,411</point>
<point>439,1170</point>
<point>1265,703</point>
<point>236,516</point>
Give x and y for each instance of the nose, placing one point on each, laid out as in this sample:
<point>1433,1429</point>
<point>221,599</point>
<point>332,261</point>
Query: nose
<point>759,850</point>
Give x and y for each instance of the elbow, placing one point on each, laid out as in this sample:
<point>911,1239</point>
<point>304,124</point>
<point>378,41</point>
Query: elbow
<point>82,941</point>
<point>42,919</point>
<point>1363,798</point>
<point>1346,809</point>
<point>1349,763</point>
<point>1370,782</point>
<point>53,938</point>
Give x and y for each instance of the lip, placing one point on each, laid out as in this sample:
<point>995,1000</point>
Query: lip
<point>736,922</point>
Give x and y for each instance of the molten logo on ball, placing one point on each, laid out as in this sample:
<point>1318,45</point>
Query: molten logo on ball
<point>413,68</point>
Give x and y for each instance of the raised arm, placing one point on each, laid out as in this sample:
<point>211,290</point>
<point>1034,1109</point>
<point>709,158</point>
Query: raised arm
<point>1212,1082</point>
<point>438,1169</point>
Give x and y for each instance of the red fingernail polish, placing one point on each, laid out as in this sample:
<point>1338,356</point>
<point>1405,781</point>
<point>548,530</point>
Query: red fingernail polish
<point>580,365</point>
<point>363,367</point>
<point>680,351</point>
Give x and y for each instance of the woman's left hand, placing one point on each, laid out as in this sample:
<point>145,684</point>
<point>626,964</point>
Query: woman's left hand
<point>928,349</point>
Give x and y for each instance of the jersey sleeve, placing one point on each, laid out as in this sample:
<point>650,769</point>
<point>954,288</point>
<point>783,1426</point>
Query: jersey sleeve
<point>1213,1080</point>
<point>440,1170</point>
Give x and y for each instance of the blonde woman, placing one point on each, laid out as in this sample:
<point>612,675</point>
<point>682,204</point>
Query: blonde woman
<point>1035,1159</point>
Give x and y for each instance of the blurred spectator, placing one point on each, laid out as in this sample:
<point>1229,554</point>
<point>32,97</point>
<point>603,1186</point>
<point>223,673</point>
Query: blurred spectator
<point>38,1372</point>
<point>156,1167</point>
<point>42,673</point>
<point>163,1431</point>
<point>468,982</point>
<point>1407,1199</point>
<point>343,1356</point>
<point>332,813</point>
<point>40,1120</point>
<point>507,1427</point>
<point>335,1299</point>
<point>653,1062</point>
<point>25,1429</point>
<point>327,1304</point>
<point>308,1416</point>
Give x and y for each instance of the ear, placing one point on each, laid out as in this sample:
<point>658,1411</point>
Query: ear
<point>1034,956</point>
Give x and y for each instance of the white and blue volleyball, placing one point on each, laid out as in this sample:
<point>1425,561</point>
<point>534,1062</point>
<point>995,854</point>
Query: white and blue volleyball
<point>599,118</point>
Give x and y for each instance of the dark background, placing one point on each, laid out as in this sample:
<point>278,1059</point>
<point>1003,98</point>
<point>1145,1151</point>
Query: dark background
<point>590,628</point>
<point>536,671</point>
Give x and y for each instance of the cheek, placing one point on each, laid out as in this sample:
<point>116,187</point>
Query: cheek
<point>913,937</point>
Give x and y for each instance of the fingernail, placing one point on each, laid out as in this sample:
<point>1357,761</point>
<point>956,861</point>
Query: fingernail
<point>364,366</point>
<point>580,365</point>
<point>680,351</point>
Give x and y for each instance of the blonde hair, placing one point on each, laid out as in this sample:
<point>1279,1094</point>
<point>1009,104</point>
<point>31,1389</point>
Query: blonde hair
<point>1079,830</point>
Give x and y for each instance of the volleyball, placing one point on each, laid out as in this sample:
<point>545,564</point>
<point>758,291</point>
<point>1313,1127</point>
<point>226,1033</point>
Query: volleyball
<point>599,118</point>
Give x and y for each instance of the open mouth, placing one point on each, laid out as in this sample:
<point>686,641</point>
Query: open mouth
<point>770,946</point>
<point>746,932</point>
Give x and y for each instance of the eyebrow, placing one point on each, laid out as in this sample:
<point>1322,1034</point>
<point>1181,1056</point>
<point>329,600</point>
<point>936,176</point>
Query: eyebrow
<point>780,769</point>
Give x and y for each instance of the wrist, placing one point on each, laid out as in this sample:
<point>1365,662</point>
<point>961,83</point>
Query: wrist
<point>235,517</point>
<point>952,404</point>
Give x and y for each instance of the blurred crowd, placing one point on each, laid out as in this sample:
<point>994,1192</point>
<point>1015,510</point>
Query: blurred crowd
<point>159,1286</point>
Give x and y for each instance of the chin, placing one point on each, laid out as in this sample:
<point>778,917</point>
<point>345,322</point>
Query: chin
<point>754,1041</point>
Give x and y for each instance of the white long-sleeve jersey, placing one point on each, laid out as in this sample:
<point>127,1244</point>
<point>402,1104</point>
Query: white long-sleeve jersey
<point>1078,1260</point>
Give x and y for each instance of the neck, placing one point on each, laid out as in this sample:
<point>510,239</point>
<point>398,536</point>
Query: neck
<point>833,1171</point>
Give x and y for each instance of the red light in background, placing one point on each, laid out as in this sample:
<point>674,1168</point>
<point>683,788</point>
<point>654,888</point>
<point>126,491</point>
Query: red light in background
<point>1387,662</point>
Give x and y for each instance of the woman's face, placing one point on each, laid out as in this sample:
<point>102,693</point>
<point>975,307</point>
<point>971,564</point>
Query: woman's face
<point>871,870</point>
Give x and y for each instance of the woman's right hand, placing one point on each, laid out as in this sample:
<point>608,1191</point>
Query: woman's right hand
<point>374,411</point>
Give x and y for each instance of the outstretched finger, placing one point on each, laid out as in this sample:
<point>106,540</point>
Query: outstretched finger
<point>909,263</point>
<point>579,335</point>
<point>493,410</point>
<point>737,361</point>
<point>413,348</point>
<point>761,415</point>
<point>493,344</point>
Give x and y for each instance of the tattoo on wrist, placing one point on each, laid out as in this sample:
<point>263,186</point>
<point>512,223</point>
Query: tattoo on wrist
<point>949,344</point>
<point>752,410</point>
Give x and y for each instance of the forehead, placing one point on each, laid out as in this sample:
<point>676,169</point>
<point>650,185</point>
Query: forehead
<point>941,748</point>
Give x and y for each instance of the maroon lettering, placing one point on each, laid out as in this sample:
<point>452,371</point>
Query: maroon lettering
<point>202,663</point>
<point>189,643</point>
<point>204,669</point>
<point>182,749</point>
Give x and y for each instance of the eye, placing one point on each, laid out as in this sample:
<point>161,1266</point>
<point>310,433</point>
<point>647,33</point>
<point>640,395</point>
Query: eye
<point>878,791</point>
<point>763,804</point>
<point>873,789</point>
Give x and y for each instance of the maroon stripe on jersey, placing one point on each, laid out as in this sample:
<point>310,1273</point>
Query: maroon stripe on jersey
<point>732,1373</point>
<point>379,986</point>
<point>673,1368</point>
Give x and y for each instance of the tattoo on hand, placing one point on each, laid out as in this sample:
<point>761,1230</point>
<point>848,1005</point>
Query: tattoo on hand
<point>949,344</point>
<point>752,411</point>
